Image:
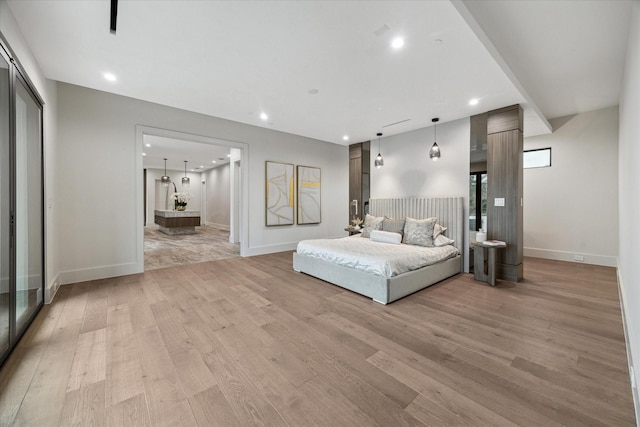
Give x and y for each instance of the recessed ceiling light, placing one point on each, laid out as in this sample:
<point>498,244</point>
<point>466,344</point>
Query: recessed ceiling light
<point>397,43</point>
<point>201,166</point>
<point>213,161</point>
<point>147,145</point>
<point>345,138</point>
<point>228,155</point>
<point>110,77</point>
<point>474,101</point>
<point>144,154</point>
<point>264,116</point>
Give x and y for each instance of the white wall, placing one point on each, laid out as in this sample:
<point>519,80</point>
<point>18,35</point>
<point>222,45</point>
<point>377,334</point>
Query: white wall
<point>218,193</point>
<point>47,90</point>
<point>408,171</point>
<point>97,141</point>
<point>629,196</point>
<point>571,208</point>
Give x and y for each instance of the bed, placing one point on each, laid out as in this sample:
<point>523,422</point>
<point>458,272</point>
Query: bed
<point>380,283</point>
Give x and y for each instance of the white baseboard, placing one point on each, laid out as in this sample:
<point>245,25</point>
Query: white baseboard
<point>626,324</point>
<point>271,249</point>
<point>97,273</point>
<point>51,289</point>
<point>225,227</point>
<point>607,261</point>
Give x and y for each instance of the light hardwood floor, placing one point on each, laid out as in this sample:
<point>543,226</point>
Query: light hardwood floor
<point>248,341</point>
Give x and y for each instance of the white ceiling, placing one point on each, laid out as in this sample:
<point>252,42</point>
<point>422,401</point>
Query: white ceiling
<point>236,59</point>
<point>200,157</point>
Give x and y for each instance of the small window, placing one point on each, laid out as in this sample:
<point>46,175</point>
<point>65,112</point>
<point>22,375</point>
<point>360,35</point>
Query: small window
<point>540,158</point>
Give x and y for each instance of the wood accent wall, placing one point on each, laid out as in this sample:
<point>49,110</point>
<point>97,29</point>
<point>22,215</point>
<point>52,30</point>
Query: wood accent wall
<point>505,180</point>
<point>355,176</point>
<point>359,169</point>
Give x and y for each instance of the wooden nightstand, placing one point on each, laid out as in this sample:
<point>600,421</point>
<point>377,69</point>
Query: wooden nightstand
<point>484,261</point>
<point>352,231</point>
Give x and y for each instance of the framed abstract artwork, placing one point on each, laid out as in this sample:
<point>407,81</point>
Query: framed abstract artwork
<point>309,189</point>
<point>279,193</point>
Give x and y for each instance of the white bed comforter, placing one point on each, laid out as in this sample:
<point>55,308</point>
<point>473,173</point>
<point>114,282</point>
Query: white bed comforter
<point>381,259</point>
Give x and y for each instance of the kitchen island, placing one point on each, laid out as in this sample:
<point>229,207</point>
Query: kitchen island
<point>177,222</point>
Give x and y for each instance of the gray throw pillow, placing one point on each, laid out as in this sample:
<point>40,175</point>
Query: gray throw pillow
<point>371,223</point>
<point>393,225</point>
<point>419,231</point>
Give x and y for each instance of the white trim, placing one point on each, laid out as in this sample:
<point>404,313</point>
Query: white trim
<point>51,289</point>
<point>270,249</point>
<point>97,273</point>
<point>225,227</point>
<point>604,260</point>
<point>627,326</point>
<point>166,133</point>
<point>281,247</point>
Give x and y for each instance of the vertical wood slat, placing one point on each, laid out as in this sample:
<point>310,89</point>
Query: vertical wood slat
<point>448,210</point>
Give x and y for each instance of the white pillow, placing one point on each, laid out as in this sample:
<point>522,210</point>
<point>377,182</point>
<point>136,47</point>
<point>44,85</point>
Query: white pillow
<point>386,237</point>
<point>442,240</point>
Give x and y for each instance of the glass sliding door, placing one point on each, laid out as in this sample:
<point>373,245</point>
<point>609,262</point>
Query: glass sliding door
<point>28,205</point>
<point>5,210</point>
<point>21,205</point>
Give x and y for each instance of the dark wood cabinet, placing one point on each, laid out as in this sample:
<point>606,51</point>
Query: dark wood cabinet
<point>505,188</point>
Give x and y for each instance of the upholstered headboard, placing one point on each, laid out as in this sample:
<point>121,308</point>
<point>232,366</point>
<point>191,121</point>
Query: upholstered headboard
<point>448,210</point>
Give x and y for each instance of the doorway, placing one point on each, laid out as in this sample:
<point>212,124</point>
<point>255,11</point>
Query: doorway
<point>208,166</point>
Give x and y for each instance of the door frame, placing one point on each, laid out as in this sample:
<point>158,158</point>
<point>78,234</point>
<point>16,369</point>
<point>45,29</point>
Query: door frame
<point>173,134</point>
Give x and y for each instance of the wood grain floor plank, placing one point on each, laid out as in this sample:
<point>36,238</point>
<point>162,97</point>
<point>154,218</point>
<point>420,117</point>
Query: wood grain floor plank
<point>210,408</point>
<point>247,402</point>
<point>436,402</point>
<point>130,412</point>
<point>18,371</point>
<point>48,385</point>
<point>124,371</point>
<point>249,341</point>
<point>265,370</point>
<point>89,363</point>
<point>85,406</point>
<point>361,393</point>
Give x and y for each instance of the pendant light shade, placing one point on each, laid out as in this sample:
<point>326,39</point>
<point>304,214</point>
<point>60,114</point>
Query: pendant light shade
<point>164,179</point>
<point>434,153</point>
<point>379,160</point>
<point>185,179</point>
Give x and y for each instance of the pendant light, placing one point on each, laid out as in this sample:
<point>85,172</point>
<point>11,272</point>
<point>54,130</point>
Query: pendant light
<point>185,179</point>
<point>164,179</point>
<point>434,153</point>
<point>379,160</point>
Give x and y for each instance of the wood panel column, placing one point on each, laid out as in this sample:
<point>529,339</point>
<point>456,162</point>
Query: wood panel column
<point>505,188</point>
<point>359,169</point>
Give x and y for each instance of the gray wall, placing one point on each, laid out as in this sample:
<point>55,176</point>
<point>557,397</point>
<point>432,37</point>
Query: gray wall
<point>408,171</point>
<point>98,169</point>
<point>629,195</point>
<point>571,208</point>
